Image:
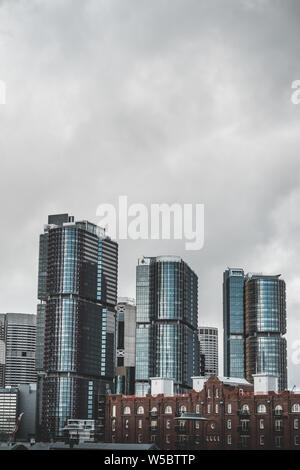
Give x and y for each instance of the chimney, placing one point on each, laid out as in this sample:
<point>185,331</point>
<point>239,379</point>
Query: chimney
<point>160,385</point>
<point>198,383</point>
<point>265,383</point>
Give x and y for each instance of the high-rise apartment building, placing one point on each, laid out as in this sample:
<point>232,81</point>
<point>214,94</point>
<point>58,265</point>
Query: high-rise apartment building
<point>208,343</point>
<point>254,325</point>
<point>78,270</point>
<point>17,349</point>
<point>166,334</point>
<point>125,355</point>
<point>234,323</point>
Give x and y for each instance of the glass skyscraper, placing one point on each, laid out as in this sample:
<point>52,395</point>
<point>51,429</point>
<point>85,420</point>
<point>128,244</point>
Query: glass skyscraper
<point>254,324</point>
<point>166,332</point>
<point>265,325</point>
<point>233,320</point>
<point>77,289</point>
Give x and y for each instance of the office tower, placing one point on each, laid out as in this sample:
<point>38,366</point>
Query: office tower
<point>234,323</point>
<point>20,345</point>
<point>8,411</point>
<point>265,325</point>
<point>125,356</point>
<point>208,343</point>
<point>2,350</point>
<point>166,335</point>
<point>77,288</point>
<point>254,325</point>
<point>27,405</point>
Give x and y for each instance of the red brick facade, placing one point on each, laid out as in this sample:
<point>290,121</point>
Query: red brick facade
<point>236,418</point>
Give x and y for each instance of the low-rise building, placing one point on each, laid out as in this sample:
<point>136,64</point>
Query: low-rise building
<point>232,414</point>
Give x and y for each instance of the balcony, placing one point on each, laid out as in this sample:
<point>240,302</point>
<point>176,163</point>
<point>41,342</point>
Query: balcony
<point>244,430</point>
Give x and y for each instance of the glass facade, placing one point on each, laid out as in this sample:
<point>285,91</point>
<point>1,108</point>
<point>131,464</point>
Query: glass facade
<point>254,325</point>
<point>233,320</point>
<point>265,325</point>
<point>166,335</point>
<point>78,295</point>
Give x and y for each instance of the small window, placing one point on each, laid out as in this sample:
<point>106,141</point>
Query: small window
<point>217,393</point>
<point>140,424</point>
<point>296,440</point>
<point>296,408</point>
<point>245,408</point>
<point>261,424</point>
<point>140,410</point>
<point>229,424</point>
<point>229,439</point>
<point>140,438</point>
<point>262,440</point>
<point>127,410</point>
<point>167,439</point>
<point>296,423</point>
<point>261,408</point>
<point>229,408</point>
<point>217,408</point>
<point>168,424</point>
<point>278,409</point>
<point>113,425</point>
<point>182,409</point>
<point>168,410</point>
<point>208,393</point>
<point>208,408</point>
<point>197,408</point>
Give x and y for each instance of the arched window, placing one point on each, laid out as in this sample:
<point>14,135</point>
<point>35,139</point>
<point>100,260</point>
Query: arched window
<point>168,410</point>
<point>296,408</point>
<point>140,410</point>
<point>154,410</point>
<point>261,408</point>
<point>245,408</point>
<point>197,408</point>
<point>182,409</point>
<point>278,409</point>
<point>127,410</point>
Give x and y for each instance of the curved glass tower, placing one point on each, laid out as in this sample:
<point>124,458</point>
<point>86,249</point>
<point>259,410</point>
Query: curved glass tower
<point>78,294</point>
<point>265,325</point>
<point>167,313</point>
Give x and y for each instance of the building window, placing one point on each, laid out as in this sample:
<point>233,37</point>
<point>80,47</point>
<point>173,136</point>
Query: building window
<point>261,424</point>
<point>197,408</point>
<point>168,410</point>
<point>296,440</point>
<point>127,410</point>
<point>140,410</point>
<point>153,410</point>
<point>278,410</point>
<point>229,408</point>
<point>261,408</point>
<point>245,408</point>
<point>114,411</point>
<point>296,423</point>
<point>140,438</point>
<point>113,425</point>
<point>140,424</point>
<point>278,424</point>
<point>182,409</point>
<point>167,439</point>
<point>296,408</point>
<point>208,408</point>
<point>229,424</point>
<point>208,393</point>
<point>126,423</point>
<point>168,424</point>
<point>262,440</point>
<point>217,393</point>
<point>197,424</point>
<point>153,438</point>
<point>229,439</point>
<point>217,408</point>
<point>278,441</point>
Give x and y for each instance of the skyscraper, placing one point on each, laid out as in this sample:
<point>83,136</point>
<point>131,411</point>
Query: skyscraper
<point>78,268</point>
<point>254,325</point>
<point>234,323</point>
<point>166,335</point>
<point>125,356</point>
<point>20,345</point>
<point>265,325</point>
<point>17,349</point>
<point>208,342</point>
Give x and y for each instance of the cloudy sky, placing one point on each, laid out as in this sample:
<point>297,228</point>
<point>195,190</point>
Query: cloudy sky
<point>185,101</point>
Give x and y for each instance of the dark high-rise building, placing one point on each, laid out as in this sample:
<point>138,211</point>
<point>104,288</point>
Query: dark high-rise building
<point>265,325</point>
<point>208,343</point>
<point>17,349</point>
<point>78,268</point>
<point>167,310</point>
<point>254,325</point>
<point>234,323</point>
<point>125,356</point>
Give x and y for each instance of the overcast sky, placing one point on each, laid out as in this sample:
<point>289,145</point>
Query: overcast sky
<point>183,101</point>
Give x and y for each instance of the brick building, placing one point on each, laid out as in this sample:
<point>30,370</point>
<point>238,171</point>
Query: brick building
<point>237,416</point>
